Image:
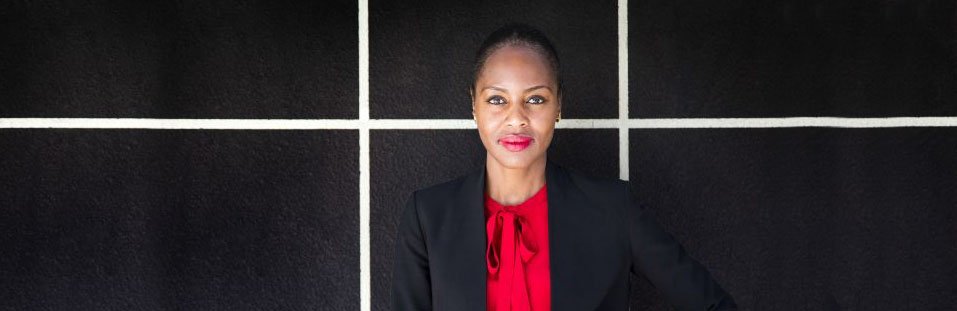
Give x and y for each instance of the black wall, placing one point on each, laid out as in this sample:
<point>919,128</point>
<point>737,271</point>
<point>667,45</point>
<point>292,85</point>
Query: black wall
<point>786,218</point>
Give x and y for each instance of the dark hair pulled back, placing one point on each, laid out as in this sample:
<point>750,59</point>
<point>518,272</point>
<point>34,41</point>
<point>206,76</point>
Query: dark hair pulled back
<point>517,34</point>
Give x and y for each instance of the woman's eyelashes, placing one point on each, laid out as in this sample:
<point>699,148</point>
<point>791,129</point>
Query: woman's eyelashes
<point>535,100</point>
<point>496,100</point>
<point>499,100</point>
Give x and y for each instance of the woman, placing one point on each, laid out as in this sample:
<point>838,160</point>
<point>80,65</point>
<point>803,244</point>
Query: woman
<point>523,233</point>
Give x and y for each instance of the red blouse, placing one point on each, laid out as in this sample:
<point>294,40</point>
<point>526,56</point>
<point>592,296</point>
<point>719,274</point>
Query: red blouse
<point>517,254</point>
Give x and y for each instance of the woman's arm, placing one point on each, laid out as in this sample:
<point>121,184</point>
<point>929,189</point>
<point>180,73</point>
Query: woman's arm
<point>411,285</point>
<point>656,254</point>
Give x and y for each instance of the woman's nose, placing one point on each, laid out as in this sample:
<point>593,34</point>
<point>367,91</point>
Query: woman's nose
<point>517,115</point>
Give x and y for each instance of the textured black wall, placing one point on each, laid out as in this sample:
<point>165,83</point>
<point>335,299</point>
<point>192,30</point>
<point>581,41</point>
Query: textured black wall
<point>146,220</point>
<point>181,219</point>
<point>787,219</point>
<point>165,59</point>
<point>785,58</point>
<point>422,51</point>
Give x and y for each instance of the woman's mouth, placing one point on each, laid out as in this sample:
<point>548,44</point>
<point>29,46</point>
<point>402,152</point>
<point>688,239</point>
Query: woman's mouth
<point>515,143</point>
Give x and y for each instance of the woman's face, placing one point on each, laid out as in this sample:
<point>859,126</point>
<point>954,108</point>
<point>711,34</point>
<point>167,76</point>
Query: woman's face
<point>515,104</point>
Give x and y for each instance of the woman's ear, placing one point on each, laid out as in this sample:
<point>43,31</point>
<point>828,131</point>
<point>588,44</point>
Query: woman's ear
<point>559,104</point>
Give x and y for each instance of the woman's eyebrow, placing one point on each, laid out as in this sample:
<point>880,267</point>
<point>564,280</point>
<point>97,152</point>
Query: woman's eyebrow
<point>506,91</point>
<point>495,88</point>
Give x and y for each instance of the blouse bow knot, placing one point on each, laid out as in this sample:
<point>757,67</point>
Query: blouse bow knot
<point>510,235</point>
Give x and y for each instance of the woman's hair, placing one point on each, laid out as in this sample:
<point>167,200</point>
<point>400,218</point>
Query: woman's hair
<point>517,35</point>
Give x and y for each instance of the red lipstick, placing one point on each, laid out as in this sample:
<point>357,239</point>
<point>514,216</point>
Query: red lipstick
<point>515,142</point>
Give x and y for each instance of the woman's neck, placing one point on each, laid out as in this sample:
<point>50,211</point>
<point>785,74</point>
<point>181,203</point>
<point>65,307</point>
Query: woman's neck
<point>511,186</point>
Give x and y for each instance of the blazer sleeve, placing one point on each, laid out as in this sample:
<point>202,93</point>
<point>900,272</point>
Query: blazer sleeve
<point>658,256</point>
<point>411,283</point>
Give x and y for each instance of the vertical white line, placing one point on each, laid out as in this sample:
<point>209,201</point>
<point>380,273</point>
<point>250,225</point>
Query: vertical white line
<point>623,145</point>
<point>623,140</point>
<point>364,59</point>
<point>365,274</point>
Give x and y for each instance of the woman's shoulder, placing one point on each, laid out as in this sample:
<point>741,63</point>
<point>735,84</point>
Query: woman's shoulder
<point>447,185</point>
<point>594,183</point>
<point>602,194</point>
<point>470,183</point>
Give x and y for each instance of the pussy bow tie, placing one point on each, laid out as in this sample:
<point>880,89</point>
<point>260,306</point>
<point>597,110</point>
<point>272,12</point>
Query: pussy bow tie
<point>510,236</point>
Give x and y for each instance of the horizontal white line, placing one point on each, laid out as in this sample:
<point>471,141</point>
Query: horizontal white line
<point>792,122</point>
<point>132,123</point>
<point>433,124</point>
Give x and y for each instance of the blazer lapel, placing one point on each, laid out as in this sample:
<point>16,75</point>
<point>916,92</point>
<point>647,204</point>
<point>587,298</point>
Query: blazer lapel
<point>577,245</point>
<point>470,253</point>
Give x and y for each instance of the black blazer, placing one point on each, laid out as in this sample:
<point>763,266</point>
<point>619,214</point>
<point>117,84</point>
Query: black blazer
<point>598,234</point>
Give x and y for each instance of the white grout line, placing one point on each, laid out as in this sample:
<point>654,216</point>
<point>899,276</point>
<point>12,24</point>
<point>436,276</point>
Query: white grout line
<point>791,122</point>
<point>453,124</point>
<point>172,124</point>
<point>623,140</point>
<point>365,248</point>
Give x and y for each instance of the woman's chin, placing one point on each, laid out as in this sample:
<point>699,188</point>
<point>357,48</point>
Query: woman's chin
<point>516,160</point>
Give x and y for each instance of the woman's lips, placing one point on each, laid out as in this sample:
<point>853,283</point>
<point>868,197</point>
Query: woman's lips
<point>515,143</point>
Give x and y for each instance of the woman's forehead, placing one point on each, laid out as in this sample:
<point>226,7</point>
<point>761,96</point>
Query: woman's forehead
<point>512,64</point>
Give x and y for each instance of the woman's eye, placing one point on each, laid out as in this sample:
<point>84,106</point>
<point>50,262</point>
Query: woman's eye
<point>536,100</point>
<point>496,100</point>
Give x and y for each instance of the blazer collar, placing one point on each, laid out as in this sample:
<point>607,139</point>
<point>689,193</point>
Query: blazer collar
<point>566,208</point>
